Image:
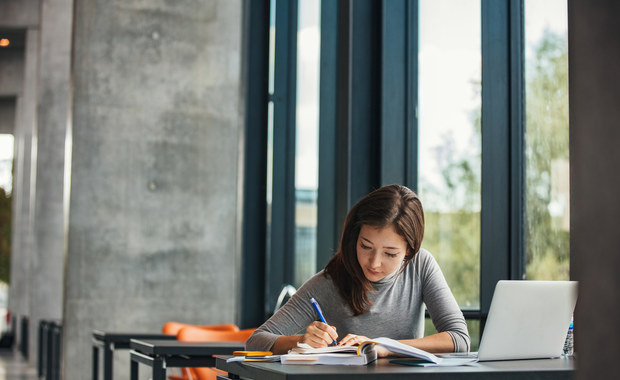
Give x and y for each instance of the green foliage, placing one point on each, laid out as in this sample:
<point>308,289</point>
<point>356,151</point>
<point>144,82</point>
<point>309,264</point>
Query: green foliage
<point>546,154</point>
<point>5,235</point>
<point>452,232</point>
<point>454,239</point>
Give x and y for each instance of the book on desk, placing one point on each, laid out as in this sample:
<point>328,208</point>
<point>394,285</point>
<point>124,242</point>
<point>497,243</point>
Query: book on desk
<point>363,354</point>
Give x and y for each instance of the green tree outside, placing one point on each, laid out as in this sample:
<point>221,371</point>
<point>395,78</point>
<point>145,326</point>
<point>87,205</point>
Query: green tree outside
<point>547,157</point>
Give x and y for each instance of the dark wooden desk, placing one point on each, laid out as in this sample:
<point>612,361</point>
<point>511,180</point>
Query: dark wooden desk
<point>561,368</point>
<point>110,341</point>
<point>161,354</point>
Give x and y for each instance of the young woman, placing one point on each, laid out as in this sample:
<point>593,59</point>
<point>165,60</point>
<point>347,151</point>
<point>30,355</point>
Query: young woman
<point>376,285</point>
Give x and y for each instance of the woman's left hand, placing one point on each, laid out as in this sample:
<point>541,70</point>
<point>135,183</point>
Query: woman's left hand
<point>354,340</point>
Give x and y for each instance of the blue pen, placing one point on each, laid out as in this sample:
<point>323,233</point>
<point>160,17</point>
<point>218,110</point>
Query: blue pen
<point>319,312</point>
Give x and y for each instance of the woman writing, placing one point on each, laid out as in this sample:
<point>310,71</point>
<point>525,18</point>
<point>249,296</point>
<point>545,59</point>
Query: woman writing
<point>376,285</point>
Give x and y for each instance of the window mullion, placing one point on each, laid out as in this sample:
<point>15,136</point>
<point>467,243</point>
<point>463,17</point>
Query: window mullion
<point>496,149</point>
<point>280,261</point>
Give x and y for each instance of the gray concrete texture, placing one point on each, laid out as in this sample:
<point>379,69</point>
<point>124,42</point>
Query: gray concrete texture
<point>46,290</point>
<point>20,13</point>
<point>11,72</point>
<point>7,114</point>
<point>154,169</point>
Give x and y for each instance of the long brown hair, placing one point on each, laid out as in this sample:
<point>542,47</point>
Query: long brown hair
<point>391,205</point>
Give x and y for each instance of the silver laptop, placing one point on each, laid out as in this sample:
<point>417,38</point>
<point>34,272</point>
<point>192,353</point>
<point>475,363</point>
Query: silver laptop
<point>528,320</point>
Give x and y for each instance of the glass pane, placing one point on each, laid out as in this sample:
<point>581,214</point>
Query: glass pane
<point>307,135</point>
<point>546,140</point>
<point>449,140</point>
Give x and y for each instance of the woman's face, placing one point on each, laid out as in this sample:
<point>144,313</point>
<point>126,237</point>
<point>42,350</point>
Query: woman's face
<point>380,251</point>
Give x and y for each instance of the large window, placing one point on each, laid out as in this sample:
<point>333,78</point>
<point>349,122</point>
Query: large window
<point>546,140</point>
<point>465,101</point>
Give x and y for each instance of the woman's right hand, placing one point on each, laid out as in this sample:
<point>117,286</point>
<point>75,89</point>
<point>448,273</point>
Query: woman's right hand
<point>319,334</point>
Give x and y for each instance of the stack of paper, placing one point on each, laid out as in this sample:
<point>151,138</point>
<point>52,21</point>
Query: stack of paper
<point>343,355</point>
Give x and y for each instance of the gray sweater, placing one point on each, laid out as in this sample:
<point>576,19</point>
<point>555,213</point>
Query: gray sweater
<point>397,311</point>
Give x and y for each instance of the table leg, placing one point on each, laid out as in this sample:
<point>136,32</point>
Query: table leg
<point>49,362</point>
<point>108,355</point>
<point>134,370</point>
<point>159,371</point>
<point>95,362</point>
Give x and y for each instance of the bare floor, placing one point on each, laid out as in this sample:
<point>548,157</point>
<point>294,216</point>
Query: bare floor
<point>14,367</point>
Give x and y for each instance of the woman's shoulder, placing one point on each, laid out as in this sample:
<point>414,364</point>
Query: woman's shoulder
<point>320,282</point>
<point>422,263</point>
<point>424,257</point>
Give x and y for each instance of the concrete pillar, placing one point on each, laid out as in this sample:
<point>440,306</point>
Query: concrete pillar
<point>22,14</point>
<point>46,290</point>
<point>594,79</point>
<point>23,186</point>
<point>155,137</point>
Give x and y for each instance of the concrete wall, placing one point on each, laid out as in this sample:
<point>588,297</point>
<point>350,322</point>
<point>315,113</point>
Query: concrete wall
<point>8,108</point>
<point>20,13</point>
<point>153,183</point>
<point>11,72</point>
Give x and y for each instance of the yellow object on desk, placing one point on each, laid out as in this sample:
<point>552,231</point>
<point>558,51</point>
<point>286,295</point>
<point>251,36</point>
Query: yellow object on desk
<point>252,353</point>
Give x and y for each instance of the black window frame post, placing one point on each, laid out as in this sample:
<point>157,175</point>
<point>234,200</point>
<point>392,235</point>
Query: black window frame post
<point>502,213</point>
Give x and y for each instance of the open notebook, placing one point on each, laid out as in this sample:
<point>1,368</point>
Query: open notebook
<point>363,354</point>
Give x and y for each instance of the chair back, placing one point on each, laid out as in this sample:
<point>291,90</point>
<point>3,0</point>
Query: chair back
<point>197,334</point>
<point>286,293</point>
<point>173,327</point>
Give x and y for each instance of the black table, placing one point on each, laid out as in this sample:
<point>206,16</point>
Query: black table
<point>110,341</point>
<point>161,354</point>
<point>561,368</point>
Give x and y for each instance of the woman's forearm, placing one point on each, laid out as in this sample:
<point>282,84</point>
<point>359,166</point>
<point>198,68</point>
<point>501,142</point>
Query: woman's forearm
<point>284,343</point>
<point>440,342</point>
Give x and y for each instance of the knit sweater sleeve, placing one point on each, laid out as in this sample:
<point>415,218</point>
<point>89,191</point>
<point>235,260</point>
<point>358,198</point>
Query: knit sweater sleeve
<point>292,318</point>
<point>441,304</point>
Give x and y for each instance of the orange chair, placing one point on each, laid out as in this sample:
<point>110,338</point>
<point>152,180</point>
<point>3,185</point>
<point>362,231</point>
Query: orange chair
<point>173,327</point>
<point>194,334</point>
